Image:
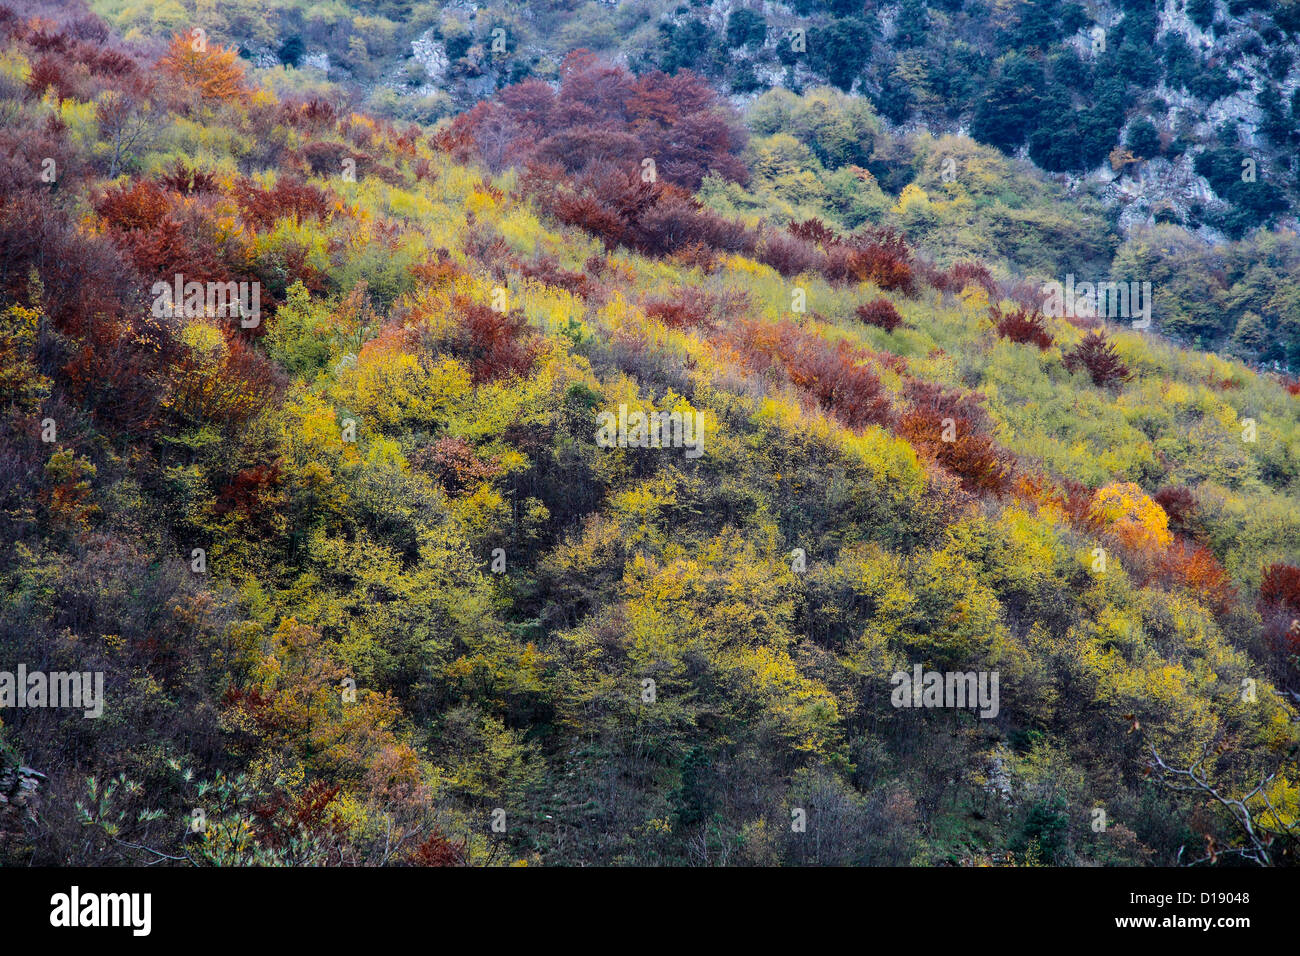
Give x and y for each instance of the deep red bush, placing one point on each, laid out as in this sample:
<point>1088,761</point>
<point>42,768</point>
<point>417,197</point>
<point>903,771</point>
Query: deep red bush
<point>312,114</point>
<point>162,239</point>
<point>959,275</point>
<point>50,71</point>
<point>1097,354</point>
<point>874,255</point>
<point>547,269</point>
<point>602,114</point>
<point>880,313</point>
<point>1023,326</point>
<point>620,208</point>
<point>187,182</point>
<point>814,231</point>
<point>881,256</point>
<point>1179,503</point>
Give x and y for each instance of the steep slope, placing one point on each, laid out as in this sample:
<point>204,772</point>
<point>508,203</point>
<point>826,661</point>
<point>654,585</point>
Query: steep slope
<point>382,569</point>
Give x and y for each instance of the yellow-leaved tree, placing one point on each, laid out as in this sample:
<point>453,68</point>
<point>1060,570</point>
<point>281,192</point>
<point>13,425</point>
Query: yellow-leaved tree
<point>1125,510</point>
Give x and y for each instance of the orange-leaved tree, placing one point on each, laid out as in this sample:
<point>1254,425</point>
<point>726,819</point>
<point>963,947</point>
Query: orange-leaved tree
<point>210,68</point>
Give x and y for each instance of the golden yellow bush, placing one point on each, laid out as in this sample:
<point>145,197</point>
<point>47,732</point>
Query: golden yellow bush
<point>1126,511</point>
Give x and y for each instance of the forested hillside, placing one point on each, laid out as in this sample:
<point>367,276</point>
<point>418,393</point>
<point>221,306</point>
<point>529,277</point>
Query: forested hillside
<point>378,570</point>
<point>1151,106</point>
<point>1176,122</point>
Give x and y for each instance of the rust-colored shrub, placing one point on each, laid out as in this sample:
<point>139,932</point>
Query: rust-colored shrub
<point>874,255</point>
<point>696,255</point>
<point>1197,569</point>
<point>455,463</point>
<point>837,377</point>
<point>688,308</point>
<point>437,850</point>
<point>1279,607</point>
<point>184,241</point>
<point>289,197</point>
<point>814,231</point>
<point>881,256</point>
<point>967,272</point>
<point>951,428</point>
<point>1280,587</point>
<point>138,205</point>
<point>438,270</point>
<point>957,276</point>
<point>313,114</point>
<point>620,208</point>
<point>49,71</point>
<point>494,344</point>
<point>603,115</point>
